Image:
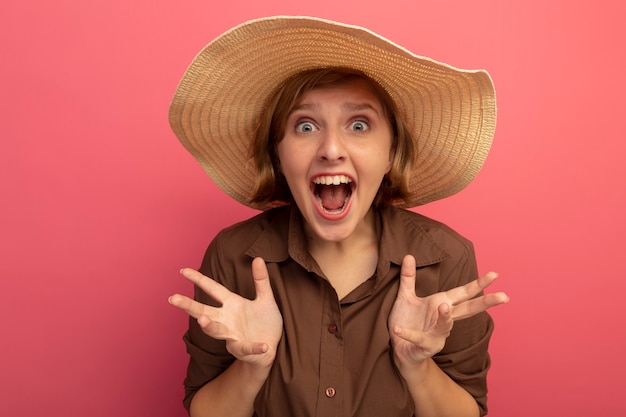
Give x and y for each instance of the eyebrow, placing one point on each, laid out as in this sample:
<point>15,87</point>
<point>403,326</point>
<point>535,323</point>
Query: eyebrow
<point>358,107</point>
<point>348,106</point>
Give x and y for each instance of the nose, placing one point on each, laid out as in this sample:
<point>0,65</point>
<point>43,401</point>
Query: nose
<point>332,146</point>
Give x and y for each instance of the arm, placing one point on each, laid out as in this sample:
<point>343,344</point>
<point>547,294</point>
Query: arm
<point>435,394</point>
<point>251,330</point>
<point>230,394</point>
<point>419,328</point>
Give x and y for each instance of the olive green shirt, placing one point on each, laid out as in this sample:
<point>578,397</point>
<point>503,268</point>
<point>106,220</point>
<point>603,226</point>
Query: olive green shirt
<point>335,356</point>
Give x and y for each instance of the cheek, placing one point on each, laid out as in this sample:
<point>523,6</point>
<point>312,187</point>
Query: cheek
<point>280,157</point>
<point>392,155</point>
<point>287,159</point>
<point>393,147</point>
<point>386,156</point>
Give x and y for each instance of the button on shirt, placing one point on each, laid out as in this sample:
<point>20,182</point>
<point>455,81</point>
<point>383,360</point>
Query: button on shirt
<point>335,356</point>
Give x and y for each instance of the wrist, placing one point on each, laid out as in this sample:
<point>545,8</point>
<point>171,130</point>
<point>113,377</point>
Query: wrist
<point>255,372</point>
<point>415,373</point>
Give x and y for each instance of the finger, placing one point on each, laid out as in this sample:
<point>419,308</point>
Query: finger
<point>472,289</point>
<point>407,276</point>
<point>241,348</point>
<point>427,343</point>
<point>189,306</point>
<point>261,279</point>
<point>209,286</point>
<point>444,322</point>
<point>416,337</point>
<point>212,328</point>
<point>478,305</point>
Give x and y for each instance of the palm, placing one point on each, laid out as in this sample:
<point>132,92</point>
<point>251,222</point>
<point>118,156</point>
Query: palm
<point>419,316</point>
<point>419,326</point>
<point>251,328</point>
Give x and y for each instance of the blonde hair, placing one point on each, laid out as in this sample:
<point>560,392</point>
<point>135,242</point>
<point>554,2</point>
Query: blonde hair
<point>271,187</point>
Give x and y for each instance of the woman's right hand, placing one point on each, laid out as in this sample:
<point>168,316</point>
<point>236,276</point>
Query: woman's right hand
<point>251,328</point>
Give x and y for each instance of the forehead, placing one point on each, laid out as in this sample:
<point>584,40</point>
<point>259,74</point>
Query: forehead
<point>354,94</point>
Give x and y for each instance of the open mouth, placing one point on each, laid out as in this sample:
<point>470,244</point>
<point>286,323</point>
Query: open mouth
<point>332,192</point>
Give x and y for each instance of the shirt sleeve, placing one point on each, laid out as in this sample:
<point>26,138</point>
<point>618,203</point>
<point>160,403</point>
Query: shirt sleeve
<point>208,357</point>
<point>465,356</point>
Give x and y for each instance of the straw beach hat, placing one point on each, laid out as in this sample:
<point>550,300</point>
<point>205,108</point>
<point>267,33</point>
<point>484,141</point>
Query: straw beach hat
<point>451,112</point>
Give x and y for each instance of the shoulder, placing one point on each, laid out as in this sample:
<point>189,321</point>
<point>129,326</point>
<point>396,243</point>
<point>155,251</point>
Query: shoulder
<point>444,258</point>
<point>410,226</point>
<point>230,253</point>
<point>254,226</point>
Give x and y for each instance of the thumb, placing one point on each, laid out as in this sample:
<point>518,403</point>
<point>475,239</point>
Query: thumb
<point>261,279</point>
<point>407,276</point>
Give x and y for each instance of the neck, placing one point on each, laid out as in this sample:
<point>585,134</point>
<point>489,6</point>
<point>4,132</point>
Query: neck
<point>364,235</point>
<point>348,263</point>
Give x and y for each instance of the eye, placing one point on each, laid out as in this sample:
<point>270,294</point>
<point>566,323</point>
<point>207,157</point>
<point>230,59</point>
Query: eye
<point>305,127</point>
<point>359,126</point>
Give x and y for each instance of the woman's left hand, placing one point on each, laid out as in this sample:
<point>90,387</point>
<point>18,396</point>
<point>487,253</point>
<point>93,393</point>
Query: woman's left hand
<point>419,326</point>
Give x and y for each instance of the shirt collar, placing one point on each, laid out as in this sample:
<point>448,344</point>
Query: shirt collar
<point>405,234</point>
<point>401,235</point>
<point>282,237</point>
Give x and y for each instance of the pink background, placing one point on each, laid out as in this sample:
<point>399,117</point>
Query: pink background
<point>101,205</point>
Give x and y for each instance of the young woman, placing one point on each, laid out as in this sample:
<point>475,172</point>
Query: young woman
<point>334,301</point>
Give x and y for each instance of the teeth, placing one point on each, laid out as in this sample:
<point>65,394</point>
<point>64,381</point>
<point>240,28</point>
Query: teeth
<point>332,180</point>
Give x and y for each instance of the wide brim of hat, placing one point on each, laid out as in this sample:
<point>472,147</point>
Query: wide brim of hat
<point>450,112</point>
